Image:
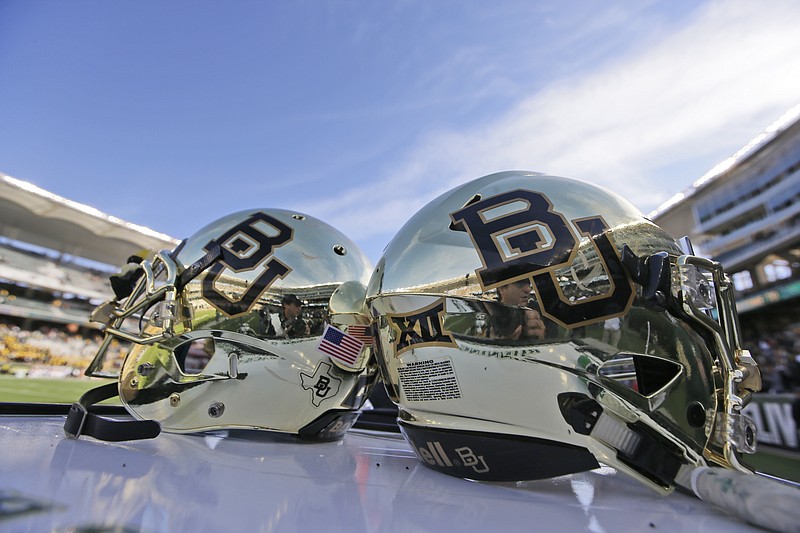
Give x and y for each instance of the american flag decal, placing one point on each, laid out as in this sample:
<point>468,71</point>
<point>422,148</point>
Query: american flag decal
<point>340,346</point>
<point>362,333</point>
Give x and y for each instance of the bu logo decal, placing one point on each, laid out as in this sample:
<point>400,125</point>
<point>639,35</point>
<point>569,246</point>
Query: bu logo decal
<point>519,234</point>
<point>423,326</point>
<point>246,247</point>
<point>322,384</point>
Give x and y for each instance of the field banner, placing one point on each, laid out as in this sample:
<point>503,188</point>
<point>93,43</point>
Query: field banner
<point>775,420</point>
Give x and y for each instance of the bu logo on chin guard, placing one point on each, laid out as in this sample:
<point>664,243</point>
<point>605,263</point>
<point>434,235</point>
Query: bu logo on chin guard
<point>434,454</point>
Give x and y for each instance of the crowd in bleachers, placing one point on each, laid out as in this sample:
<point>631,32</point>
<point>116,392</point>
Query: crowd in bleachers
<point>48,287</point>
<point>778,358</point>
<point>49,346</point>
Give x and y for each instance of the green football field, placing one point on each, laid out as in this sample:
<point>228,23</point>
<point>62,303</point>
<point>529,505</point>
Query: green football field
<point>35,390</point>
<point>772,461</point>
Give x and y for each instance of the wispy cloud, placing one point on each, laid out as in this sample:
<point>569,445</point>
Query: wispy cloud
<point>674,103</point>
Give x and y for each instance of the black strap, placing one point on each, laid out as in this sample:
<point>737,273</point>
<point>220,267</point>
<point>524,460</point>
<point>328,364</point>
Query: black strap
<point>81,422</point>
<point>194,270</point>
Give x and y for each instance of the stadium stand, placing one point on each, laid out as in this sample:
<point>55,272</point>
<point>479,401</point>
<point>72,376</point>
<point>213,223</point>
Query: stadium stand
<point>745,213</point>
<point>55,259</point>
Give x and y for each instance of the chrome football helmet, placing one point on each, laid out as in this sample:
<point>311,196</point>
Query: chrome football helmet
<point>530,326</point>
<point>255,322</point>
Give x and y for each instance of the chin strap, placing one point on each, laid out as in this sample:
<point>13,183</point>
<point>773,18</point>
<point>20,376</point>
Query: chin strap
<point>81,422</point>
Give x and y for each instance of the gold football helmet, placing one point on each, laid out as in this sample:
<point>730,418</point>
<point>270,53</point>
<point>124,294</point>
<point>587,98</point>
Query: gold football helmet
<point>530,326</point>
<point>255,322</point>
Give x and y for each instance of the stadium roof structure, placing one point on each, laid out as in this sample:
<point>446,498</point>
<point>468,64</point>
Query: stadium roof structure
<point>33,215</point>
<point>719,170</point>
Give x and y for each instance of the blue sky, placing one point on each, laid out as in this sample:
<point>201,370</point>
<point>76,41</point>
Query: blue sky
<point>170,114</point>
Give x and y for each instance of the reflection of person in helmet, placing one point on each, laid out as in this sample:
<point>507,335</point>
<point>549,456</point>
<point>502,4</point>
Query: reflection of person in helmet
<point>292,322</point>
<point>515,319</point>
<point>289,321</point>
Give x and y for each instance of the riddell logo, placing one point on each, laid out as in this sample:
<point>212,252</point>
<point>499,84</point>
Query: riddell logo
<point>433,453</point>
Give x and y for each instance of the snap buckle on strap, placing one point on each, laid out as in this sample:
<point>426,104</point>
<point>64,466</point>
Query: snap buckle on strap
<point>81,422</point>
<point>77,409</point>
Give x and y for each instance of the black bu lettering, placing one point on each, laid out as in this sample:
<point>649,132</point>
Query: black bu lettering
<point>515,242</point>
<point>245,247</point>
<point>614,303</point>
<point>520,235</point>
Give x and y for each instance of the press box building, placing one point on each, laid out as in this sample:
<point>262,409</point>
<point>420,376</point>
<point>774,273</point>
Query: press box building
<point>745,213</point>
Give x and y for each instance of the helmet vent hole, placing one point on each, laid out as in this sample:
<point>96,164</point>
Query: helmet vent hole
<point>474,199</point>
<point>339,250</point>
<point>696,415</point>
<point>459,226</point>
<point>298,217</point>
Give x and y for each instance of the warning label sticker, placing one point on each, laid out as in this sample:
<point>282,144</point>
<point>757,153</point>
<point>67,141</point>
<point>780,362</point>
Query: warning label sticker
<point>429,380</point>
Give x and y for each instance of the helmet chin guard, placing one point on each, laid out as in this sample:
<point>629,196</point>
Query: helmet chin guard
<point>255,322</point>
<point>530,326</point>
<point>453,452</point>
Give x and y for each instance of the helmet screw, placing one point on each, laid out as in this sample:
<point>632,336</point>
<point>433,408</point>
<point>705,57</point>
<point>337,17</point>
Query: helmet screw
<point>145,369</point>
<point>174,399</point>
<point>216,409</point>
<point>134,381</point>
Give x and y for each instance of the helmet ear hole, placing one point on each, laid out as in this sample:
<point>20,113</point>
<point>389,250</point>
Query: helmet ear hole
<point>654,373</point>
<point>645,374</point>
<point>193,356</point>
<point>696,415</point>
